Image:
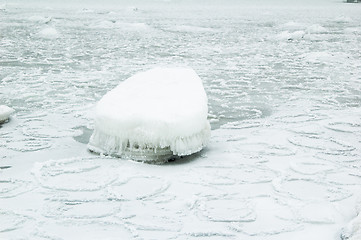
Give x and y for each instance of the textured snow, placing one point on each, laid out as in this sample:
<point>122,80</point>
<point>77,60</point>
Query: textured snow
<point>5,112</point>
<point>162,108</point>
<point>283,161</point>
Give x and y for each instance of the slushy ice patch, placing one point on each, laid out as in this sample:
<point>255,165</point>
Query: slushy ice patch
<point>153,116</point>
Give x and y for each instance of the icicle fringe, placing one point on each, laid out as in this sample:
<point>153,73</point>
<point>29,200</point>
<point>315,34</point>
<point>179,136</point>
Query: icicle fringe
<point>161,151</point>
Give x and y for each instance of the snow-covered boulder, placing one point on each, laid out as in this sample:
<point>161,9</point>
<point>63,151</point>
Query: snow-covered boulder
<point>153,116</point>
<point>49,33</point>
<point>353,229</point>
<point>5,113</point>
<point>3,7</point>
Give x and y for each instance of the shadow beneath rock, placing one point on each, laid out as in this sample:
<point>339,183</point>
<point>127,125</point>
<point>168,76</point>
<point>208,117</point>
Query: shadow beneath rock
<point>4,167</point>
<point>85,136</point>
<point>3,122</point>
<point>176,160</point>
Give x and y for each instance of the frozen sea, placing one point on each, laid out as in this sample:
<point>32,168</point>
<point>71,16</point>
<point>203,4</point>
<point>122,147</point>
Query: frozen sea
<point>283,79</point>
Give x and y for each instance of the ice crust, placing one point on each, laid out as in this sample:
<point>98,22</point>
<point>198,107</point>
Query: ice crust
<point>152,116</point>
<point>5,112</point>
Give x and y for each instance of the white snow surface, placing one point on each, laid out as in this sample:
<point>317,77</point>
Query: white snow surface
<point>158,108</point>
<point>5,112</point>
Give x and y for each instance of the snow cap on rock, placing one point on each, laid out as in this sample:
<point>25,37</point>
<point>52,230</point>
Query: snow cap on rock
<point>152,116</point>
<point>5,112</point>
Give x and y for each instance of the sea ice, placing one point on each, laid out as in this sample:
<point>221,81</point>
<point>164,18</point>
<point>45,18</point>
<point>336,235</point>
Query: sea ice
<point>153,116</point>
<point>5,113</point>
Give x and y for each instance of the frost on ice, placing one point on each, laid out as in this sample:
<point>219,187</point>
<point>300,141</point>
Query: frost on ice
<point>153,116</point>
<point>5,113</point>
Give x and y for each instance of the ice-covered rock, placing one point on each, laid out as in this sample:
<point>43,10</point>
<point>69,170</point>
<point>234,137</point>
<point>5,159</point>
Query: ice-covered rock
<point>324,57</point>
<point>86,10</point>
<point>133,26</point>
<point>49,33</point>
<point>153,116</point>
<point>343,19</point>
<point>132,9</point>
<point>5,113</point>
<point>285,35</point>
<point>315,28</point>
<point>293,26</point>
<point>191,29</point>
<point>3,7</point>
<point>354,30</point>
<point>40,19</point>
<point>353,229</point>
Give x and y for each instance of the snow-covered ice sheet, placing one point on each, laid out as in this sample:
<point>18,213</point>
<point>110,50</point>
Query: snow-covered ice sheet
<point>162,111</point>
<point>283,161</point>
<point>247,183</point>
